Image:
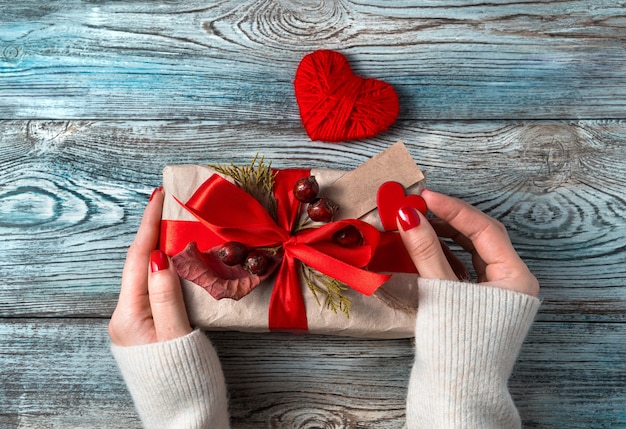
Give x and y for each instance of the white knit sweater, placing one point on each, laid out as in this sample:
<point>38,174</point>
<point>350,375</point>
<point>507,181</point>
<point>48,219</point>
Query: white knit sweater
<point>467,339</point>
<point>177,384</point>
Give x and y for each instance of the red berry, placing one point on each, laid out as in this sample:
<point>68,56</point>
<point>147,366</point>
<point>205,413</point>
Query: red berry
<point>321,209</point>
<point>256,262</point>
<point>350,236</point>
<point>232,253</point>
<point>305,190</point>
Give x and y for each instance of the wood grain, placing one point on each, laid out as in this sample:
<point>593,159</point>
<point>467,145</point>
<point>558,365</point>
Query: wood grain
<point>79,189</point>
<point>516,106</point>
<point>235,60</point>
<point>59,373</point>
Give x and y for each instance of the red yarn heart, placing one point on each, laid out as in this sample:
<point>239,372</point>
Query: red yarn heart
<point>390,198</point>
<point>337,105</point>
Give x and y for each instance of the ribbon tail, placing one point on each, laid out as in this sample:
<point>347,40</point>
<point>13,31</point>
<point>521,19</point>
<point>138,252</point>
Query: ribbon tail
<point>287,312</point>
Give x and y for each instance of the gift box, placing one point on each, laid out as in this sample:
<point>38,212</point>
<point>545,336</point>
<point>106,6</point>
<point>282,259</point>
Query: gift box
<point>311,282</point>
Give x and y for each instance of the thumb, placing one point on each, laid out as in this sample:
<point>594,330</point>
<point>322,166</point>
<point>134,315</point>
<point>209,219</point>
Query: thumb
<point>423,245</point>
<point>166,299</point>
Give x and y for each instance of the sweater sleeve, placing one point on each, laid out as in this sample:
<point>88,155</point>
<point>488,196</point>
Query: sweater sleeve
<point>467,338</point>
<point>177,383</point>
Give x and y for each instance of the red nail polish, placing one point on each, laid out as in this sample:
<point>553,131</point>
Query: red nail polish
<point>158,261</point>
<point>408,218</point>
<point>159,189</point>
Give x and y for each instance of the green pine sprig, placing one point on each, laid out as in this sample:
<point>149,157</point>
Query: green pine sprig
<point>327,287</point>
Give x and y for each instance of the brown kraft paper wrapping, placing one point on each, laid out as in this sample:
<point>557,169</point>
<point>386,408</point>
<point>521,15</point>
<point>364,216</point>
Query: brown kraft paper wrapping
<point>389,313</point>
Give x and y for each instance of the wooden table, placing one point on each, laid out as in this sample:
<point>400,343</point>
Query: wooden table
<point>516,106</point>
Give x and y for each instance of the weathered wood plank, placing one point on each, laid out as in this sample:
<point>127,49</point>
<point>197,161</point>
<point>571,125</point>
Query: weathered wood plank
<point>199,81</point>
<point>72,194</point>
<point>235,60</point>
<point>59,373</point>
<point>559,359</point>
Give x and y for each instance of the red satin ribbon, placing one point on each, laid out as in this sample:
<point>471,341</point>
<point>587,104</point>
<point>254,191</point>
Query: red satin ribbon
<point>227,213</point>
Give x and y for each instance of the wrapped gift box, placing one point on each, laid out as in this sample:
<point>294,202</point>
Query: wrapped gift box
<point>388,312</point>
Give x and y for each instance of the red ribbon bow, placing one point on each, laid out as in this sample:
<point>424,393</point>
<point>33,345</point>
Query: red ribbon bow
<point>228,213</point>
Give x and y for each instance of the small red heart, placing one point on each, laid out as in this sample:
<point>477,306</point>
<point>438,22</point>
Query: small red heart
<point>337,105</point>
<point>390,198</point>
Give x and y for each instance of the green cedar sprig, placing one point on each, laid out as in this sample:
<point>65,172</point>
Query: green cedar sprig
<point>257,179</point>
<point>331,289</point>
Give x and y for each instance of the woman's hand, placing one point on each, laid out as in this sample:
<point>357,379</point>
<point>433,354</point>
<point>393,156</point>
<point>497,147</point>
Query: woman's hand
<point>150,306</point>
<point>495,260</point>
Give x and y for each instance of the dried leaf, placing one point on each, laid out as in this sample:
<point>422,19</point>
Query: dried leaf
<point>220,280</point>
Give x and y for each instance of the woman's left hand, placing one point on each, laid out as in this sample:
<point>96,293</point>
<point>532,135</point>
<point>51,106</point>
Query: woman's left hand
<point>150,306</point>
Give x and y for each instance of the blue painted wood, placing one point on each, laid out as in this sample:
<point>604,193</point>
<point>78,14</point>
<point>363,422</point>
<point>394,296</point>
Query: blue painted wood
<point>516,107</point>
<point>80,187</point>
<point>237,59</point>
<point>59,373</point>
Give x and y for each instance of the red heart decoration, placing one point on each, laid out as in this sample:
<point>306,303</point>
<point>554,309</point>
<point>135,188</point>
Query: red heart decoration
<point>390,198</point>
<point>337,105</point>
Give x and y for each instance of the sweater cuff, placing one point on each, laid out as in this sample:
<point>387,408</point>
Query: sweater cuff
<point>467,339</point>
<point>177,383</point>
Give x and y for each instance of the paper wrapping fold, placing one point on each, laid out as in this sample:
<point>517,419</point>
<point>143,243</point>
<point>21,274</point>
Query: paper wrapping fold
<point>389,313</point>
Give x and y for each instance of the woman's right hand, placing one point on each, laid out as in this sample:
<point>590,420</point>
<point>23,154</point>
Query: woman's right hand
<point>495,261</point>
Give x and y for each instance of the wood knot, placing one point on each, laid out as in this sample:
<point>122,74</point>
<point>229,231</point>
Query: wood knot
<point>12,54</point>
<point>28,206</point>
<point>287,23</point>
<point>309,418</point>
<point>549,155</point>
<point>48,136</point>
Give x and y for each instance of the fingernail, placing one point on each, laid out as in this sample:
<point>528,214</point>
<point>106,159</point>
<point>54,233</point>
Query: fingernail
<point>158,261</point>
<point>408,218</point>
<point>159,189</point>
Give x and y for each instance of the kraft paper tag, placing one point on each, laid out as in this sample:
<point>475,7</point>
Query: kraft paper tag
<point>355,191</point>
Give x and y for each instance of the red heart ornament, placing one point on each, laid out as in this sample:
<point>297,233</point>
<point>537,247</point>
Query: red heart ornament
<point>390,198</point>
<point>337,105</point>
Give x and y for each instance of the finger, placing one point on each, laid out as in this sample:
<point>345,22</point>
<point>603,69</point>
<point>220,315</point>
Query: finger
<point>423,245</point>
<point>495,259</point>
<point>486,235</point>
<point>166,299</point>
<point>134,277</point>
<point>444,229</point>
<point>457,266</point>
